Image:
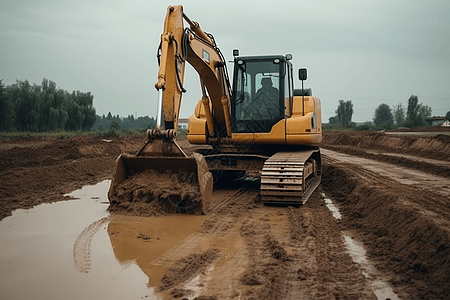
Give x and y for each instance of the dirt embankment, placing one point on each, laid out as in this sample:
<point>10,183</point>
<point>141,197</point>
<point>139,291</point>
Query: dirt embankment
<point>400,150</point>
<point>433,147</point>
<point>42,170</point>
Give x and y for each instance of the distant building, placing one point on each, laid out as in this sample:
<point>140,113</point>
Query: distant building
<point>182,123</point>
<point>438,121</point>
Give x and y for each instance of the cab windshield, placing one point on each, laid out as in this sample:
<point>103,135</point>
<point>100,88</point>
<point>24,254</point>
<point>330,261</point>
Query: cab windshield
<point>257,100</point>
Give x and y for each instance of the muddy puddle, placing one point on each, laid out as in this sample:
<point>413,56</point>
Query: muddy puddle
<point>76,250</point>
<point>381,288</point>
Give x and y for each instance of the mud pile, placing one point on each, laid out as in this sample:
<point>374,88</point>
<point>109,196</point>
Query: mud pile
<point>150,193</point>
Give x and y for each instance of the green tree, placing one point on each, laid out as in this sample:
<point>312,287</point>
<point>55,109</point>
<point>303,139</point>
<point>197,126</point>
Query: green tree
<point>399,112</point>
<point>52,111</point>
<point>383,117</point>
<point>7,114</point>
<point>80,110</point>
<point>412,111</point>
<point>53,119</point>
<point>424,112</point>
<point>416,113</point>
<point>22,95</point>
<point>46,107</point>
<point>448,115</point>
<point>345,112</point>
<point>333,120</point>
<point>114,126</point>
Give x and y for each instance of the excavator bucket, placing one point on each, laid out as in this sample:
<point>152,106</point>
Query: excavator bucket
<point>159,180</point>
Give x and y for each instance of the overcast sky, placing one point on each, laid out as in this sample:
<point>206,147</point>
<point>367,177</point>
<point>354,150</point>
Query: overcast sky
<point>370,52</point>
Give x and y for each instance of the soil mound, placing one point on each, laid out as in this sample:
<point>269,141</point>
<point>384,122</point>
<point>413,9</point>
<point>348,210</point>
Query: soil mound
<point>150,193</point>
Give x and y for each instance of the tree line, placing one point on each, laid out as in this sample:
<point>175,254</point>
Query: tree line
<point>385,117</point>
<point>413,115</point>
<point>44,107</point>
<point>116,122</point>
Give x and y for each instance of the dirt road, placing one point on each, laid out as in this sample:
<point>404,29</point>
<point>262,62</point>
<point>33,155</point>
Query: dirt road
<point>400,209</point>
<point>392,193</point>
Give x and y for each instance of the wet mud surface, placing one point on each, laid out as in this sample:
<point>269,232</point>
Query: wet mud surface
<point>42,170</point>
<point>399,214</point>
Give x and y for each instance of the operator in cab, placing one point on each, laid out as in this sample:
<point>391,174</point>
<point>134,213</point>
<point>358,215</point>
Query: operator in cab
<point>267,88</point>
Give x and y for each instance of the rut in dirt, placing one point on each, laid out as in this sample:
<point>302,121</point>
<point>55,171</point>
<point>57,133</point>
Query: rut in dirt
<point>403,239</point>
<point>268,253</point>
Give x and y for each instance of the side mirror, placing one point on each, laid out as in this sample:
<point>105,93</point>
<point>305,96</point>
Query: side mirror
<point>235,52</point>
<point>302,74</point>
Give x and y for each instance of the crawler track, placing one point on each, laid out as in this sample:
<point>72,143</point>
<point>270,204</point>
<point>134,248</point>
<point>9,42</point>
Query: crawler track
<point>290,177</point>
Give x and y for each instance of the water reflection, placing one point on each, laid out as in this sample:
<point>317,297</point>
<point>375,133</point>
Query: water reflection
<point>76,250</point>
<point>37,253</point>
<point>332,207</point>
<point>381,289</point>
<point>143,240</point>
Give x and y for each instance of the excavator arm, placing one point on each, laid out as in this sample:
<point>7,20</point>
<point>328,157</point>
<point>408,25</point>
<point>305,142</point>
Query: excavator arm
<point>178,46</point>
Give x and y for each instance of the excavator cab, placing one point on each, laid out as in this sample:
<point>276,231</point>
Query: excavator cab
<point>265,104</point>
<point>260,86</point>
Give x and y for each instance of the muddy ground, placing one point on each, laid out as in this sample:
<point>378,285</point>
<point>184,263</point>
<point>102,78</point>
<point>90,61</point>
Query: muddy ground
<point>393,194</point>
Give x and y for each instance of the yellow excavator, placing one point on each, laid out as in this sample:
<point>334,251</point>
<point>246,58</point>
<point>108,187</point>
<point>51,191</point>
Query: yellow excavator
<point>259,125</point>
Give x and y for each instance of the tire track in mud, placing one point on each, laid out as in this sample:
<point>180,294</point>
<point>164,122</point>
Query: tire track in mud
<point>300,254</point>
<point>221,221</point>
<point>218,234</point>
<point>334,273</point>
<point>186,268</point>
<point>268,253</point>
<point>82,246</point>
